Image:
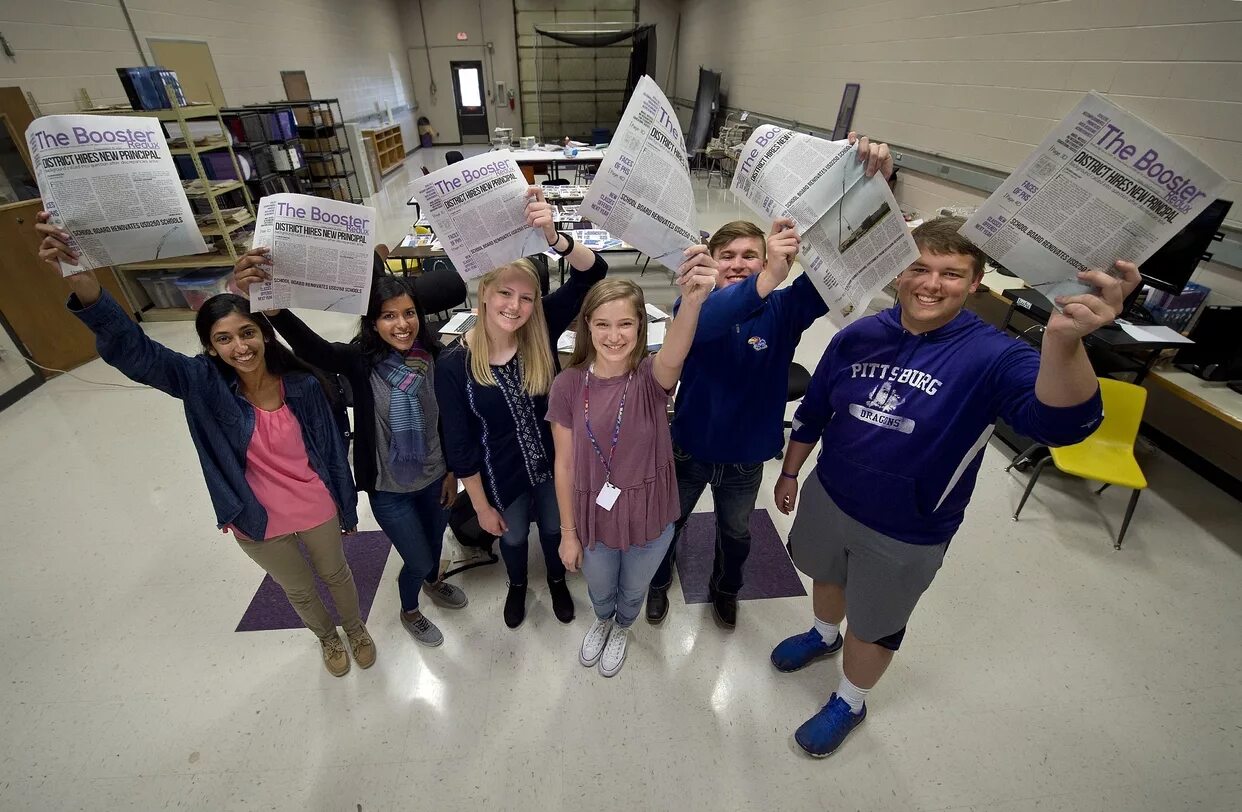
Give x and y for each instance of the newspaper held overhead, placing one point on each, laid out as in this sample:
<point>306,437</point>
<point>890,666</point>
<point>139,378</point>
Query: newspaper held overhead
<point>477,207</point>
<point>854,239</point>
<point>642,191</point>
<point>110,182</point>
<point>1103,186</point>
<point>321,254</point>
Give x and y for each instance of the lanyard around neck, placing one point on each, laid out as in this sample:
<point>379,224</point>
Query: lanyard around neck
<point>616,429</point>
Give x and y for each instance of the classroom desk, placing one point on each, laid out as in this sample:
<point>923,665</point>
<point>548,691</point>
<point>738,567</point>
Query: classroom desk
<point>554,159</point>
<point>1202,417</point>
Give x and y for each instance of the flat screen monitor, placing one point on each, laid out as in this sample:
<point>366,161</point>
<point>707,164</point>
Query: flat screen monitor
<point>1169,269</point>
<point>1216,354</point>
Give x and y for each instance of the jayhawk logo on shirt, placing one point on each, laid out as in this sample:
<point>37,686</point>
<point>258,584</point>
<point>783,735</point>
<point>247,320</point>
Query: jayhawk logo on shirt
<point>757,342</point>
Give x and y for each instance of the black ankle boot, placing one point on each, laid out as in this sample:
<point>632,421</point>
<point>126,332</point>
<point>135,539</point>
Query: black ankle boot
<point>562,603</point>
<point>515,605</point>
<point>724,607</point>
<point>657,604</point>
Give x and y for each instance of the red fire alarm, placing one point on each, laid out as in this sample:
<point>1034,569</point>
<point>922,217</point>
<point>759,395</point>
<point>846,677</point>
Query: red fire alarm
<point>461,35</point>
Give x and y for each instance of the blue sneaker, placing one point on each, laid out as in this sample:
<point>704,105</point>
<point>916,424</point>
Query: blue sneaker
<point>801,650</point>
<point>823,733</point>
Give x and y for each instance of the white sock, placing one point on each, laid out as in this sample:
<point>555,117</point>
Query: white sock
<point>852,694</point>
<point>828,631</point>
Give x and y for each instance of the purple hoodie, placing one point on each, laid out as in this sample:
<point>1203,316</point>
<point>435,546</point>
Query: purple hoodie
<point>904,418</point>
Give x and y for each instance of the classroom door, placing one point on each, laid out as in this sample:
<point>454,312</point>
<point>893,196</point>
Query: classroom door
<point>195,69</point>
<point>32,299</point>
<point>468,93</point>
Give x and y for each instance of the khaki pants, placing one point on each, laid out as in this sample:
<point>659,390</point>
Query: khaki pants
<point>282,560</point>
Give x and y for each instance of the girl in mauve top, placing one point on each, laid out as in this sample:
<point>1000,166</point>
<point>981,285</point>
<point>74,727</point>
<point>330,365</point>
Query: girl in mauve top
<point>615,483</point>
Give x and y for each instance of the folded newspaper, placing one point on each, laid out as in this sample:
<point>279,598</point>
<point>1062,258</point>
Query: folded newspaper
<point>110,182</point>
<point>477,208</point>
<point>642,191</point>
<point>1104,185</point>
<point>321,254</point>
<point>854,238</point>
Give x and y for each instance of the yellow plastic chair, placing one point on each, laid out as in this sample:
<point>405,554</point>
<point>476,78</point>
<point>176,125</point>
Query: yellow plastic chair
<point>1107,455</point>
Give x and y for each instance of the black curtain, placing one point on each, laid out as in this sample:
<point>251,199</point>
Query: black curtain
<point>704,107</point>
<point>642,59</point>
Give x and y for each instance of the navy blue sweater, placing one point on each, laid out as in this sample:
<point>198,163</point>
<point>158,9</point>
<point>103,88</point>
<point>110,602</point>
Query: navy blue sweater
<point>904,418</point>
<point>221,421</point>
<point>731,402</point>
<point>471,412</point>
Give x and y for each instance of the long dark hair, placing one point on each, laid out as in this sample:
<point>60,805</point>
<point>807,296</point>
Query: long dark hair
<point>278,358</point>
<point>384,288</point>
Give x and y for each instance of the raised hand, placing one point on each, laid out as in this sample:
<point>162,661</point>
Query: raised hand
<point>695,284</point>
<point>539,214</point>
<point>697,256</point>
<point>879,157</point>
<point>54,248</point>
<point>783,245</point>
<point>251,267</point>
<point>1084,314</point>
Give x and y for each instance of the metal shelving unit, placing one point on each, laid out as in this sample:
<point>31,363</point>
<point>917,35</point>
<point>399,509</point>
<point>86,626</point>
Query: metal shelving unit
<point>333,169</point>
<point>276,152</point>
<point>220,230</point>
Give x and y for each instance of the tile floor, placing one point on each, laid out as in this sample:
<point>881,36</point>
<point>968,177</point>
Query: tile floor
<point>1043,670</point>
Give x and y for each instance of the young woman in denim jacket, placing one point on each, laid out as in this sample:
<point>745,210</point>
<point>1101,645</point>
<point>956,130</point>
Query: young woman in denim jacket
<point>271,454</point>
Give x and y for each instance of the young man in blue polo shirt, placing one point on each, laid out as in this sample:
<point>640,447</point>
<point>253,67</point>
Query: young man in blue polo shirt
<point>904,402</point>
<point>729,415</point>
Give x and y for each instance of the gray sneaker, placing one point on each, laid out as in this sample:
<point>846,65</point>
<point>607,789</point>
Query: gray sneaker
<point>446,595</point>
<point>422,630</point>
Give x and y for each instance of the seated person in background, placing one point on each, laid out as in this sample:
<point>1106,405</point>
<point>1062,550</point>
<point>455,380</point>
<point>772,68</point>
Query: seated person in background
<point>731,405</point>
<point>904,402</point>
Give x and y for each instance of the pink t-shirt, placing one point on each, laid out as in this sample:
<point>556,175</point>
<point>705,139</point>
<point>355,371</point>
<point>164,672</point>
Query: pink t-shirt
<point>280,474</point>
<point>642,467</point>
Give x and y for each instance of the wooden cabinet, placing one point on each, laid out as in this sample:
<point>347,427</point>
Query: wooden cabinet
<point>388,147</point>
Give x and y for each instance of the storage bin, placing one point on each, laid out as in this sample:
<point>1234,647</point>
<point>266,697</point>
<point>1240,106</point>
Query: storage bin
<point>199,286</point>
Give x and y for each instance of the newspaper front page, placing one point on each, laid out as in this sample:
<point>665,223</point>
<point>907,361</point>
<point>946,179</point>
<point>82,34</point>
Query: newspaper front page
<point>477,208</point>
<point>110,182</point>
<point>1103,186</point>
<point>854,239</point>
<point>642,191</point>
<point>321,254</point>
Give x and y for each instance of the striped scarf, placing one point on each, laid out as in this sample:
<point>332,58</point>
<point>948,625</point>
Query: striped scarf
<point>405,373</point>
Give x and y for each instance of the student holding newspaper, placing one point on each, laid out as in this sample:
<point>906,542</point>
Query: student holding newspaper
<point>398,457</point>
<point>615,481</point>
<point>904,402</point>
<point>492,387</point>
<point>732,399</point>
<point>270,450</point>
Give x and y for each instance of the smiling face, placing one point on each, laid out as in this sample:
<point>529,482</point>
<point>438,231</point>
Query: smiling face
<point>237,341</point>
<point>397,323</point>
<point>509,301</point>
<point>614,331</point>
<point>738,259</point>
<point>933,290</point>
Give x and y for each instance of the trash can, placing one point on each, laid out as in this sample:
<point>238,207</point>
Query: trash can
<point>425,132</point>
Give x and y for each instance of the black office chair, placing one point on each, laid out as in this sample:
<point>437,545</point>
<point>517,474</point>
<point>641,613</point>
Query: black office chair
<point>799,382</point>
<point>440,289</point>
<point>556,182</point>
<point>452,156</point>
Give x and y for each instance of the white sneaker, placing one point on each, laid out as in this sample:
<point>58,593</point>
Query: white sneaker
<point>593,643</point>
<point>614,651</point>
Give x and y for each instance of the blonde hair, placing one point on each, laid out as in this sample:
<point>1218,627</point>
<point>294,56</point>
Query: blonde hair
<point>533,352</point>
<point>600,294</point>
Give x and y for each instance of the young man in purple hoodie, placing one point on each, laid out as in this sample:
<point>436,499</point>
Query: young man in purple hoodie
<point>904,402</point>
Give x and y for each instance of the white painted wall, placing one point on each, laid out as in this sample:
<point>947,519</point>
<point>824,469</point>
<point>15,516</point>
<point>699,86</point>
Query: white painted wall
<point>352,50</point>
<point>982,81</point>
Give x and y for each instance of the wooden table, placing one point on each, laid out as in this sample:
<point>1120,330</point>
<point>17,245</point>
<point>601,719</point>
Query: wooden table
<point>555,159</point>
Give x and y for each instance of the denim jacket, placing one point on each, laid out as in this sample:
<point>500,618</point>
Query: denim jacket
<point>221,421</point>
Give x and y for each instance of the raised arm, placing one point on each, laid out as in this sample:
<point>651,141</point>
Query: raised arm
<point>695,285</point>
<point>120,342</point>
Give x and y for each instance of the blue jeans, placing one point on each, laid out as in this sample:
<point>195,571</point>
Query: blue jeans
<point>734,491</point>
<point>541,502</point>
<point>617,581</point>
<point>414,523</point>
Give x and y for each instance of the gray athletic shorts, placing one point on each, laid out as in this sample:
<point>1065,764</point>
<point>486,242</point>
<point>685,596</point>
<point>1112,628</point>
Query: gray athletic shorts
<point>883,577</point>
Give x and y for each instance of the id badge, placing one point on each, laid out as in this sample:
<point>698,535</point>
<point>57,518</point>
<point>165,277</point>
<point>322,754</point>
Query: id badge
<point>607,496</point>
